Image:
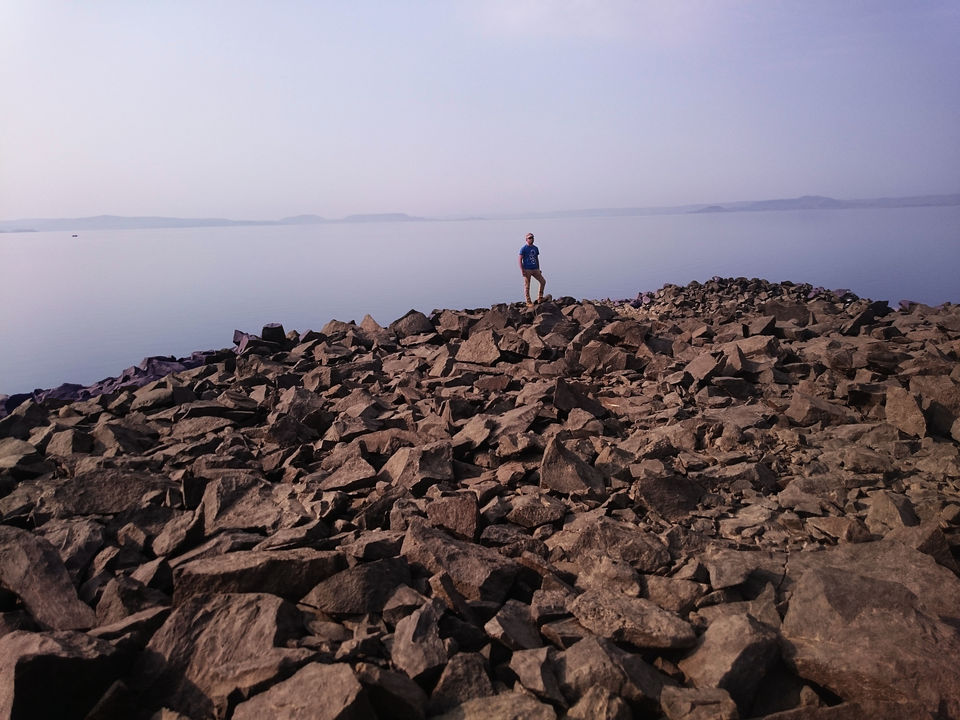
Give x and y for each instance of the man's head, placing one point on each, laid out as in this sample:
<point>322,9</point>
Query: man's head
<point>529,238</point>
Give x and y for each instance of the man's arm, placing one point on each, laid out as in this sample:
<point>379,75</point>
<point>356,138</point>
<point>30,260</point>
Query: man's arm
<point>520,261</point>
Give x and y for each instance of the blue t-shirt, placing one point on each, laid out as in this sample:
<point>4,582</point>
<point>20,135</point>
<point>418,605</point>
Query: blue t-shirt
<point>530,257</point>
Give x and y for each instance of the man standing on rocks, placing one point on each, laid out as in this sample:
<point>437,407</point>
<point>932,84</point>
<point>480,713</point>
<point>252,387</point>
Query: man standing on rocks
<point>530,268</point>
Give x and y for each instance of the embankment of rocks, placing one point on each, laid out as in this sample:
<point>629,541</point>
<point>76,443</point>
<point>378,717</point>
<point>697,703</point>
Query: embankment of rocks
<point>736,500</point>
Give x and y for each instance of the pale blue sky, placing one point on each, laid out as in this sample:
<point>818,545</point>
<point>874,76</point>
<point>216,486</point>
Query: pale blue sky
<point>258,110</point>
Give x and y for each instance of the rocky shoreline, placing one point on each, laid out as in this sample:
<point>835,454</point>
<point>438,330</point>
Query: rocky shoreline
<point>735,499</point>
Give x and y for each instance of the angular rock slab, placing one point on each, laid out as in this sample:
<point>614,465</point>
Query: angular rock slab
<point>287,573</point>
<point>417,647</point>
<point>480,348</point>
<point>513,627</point>
<point>216,649</point>
<point>54,674</point>
<point>599,704</point>
<point>31,568</point>
<point>637,621</point>
<point>870,639</point>
<point>316,691</point>
<point>535,672</point>
<point>464,678</point>
<point>242,502</point>
<point>698,704</point>
<point>106,492</point>
<point>364,588</point>
<point>588,537</point>
<point>563,472</point>
<point>733,654</point>
<point>478,573</point>
<point>392,694</point>
<point>506,706</point>
<point>417,468</point>
<point>594,662</point>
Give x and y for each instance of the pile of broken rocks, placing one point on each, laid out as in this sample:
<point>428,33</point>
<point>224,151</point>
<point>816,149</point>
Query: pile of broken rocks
<point>737,500</point>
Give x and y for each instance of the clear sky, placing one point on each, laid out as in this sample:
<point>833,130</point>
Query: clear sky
<point>259,110</point>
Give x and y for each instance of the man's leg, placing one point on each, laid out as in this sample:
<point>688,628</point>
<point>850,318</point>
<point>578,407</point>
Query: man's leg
<point>526,287</point>
<point>543,284</point>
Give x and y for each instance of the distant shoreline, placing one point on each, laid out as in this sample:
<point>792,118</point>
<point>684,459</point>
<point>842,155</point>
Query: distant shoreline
<point>806,202</point>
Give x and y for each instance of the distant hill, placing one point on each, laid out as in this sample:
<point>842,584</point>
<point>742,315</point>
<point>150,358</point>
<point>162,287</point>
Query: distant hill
<point>383,217</point>
<point>806,202</point>
<point>819,202</point>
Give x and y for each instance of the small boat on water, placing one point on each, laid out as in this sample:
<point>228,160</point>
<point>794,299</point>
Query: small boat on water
<point>73,236</point>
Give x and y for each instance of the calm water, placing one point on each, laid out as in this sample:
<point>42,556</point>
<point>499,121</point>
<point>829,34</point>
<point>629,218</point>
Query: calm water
<point>81,309</point>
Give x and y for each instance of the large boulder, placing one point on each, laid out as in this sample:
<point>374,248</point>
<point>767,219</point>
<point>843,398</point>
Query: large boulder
<point>55,675</point>
<point>734,654</point>
<point>632,620</point>
<point>317,691</point>
<point>364,588</point>
<point>417,468</point>
<point>215,650</point>
<point>564,472</point>
<point>287,573</point>
<point>31,568</point>
<point>876,622</point>
<point>478,573</point>
<point>106,492</point>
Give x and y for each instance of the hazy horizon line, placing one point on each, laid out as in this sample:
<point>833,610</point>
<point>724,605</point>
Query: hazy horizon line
<point>291,219</point>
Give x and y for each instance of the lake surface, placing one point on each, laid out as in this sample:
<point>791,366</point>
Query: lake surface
<point>82,309</point>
